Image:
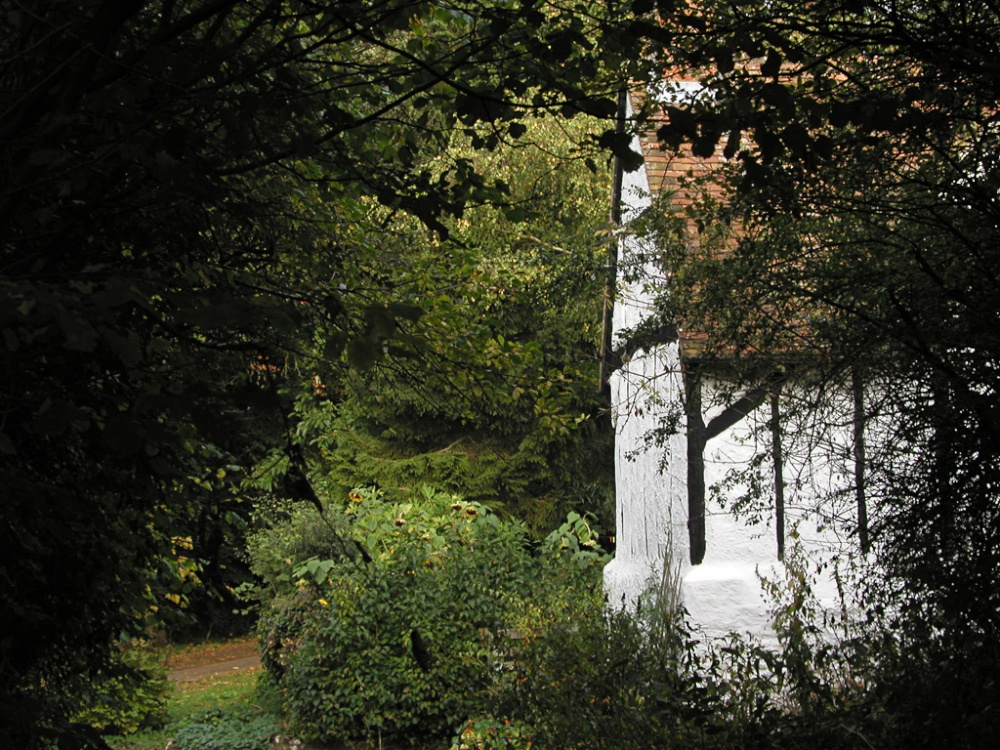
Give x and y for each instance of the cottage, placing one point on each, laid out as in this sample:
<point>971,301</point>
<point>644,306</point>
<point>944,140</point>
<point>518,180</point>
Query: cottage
<point>708,494</point>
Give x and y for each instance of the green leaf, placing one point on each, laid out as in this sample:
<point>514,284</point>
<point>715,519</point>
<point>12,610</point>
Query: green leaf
<point>122,436</point>
<point>772,65</point>
<point>412,313</point>
<point>363,353</point>
<point>7,445</point>
<point>620,144</point>
<point>80,335</point>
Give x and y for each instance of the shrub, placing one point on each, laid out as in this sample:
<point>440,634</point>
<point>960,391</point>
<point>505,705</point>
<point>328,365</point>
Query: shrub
<point>639,680</point>
<point>129,696</point>
<point>491,734</point>
<point>401,641</point>
<point>238,727</point>
<point>600,683</point>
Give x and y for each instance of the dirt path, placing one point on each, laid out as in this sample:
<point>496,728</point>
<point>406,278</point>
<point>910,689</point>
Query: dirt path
<point>210,660</point>
<point>192,674</point>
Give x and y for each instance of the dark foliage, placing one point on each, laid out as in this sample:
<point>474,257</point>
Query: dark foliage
<point>157,264</point>
<point>861,182</point>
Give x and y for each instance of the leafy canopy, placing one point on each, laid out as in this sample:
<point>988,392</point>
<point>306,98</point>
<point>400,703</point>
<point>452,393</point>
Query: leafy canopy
<point>851,235</point>
<point>178,178</point>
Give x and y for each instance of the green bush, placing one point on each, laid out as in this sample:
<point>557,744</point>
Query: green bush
<point>604,682</point>
<point>238,727</point>
<point>128,696</point>
<point>404,640</point>
<point>491,734</point>
<point>629,681</point>
<point>418,622</point>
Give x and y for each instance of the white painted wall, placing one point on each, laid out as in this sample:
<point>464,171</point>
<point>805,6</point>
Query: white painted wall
<point>723,594</point>
<point>642,392</point>
<point>651,523</point>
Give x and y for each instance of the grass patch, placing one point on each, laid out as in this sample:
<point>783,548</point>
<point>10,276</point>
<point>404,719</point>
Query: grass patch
<point>189,699</point>
<point>220,691</point>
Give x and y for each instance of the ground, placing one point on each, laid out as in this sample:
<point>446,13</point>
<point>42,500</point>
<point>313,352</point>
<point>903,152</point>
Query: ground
<point>210,659</point>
